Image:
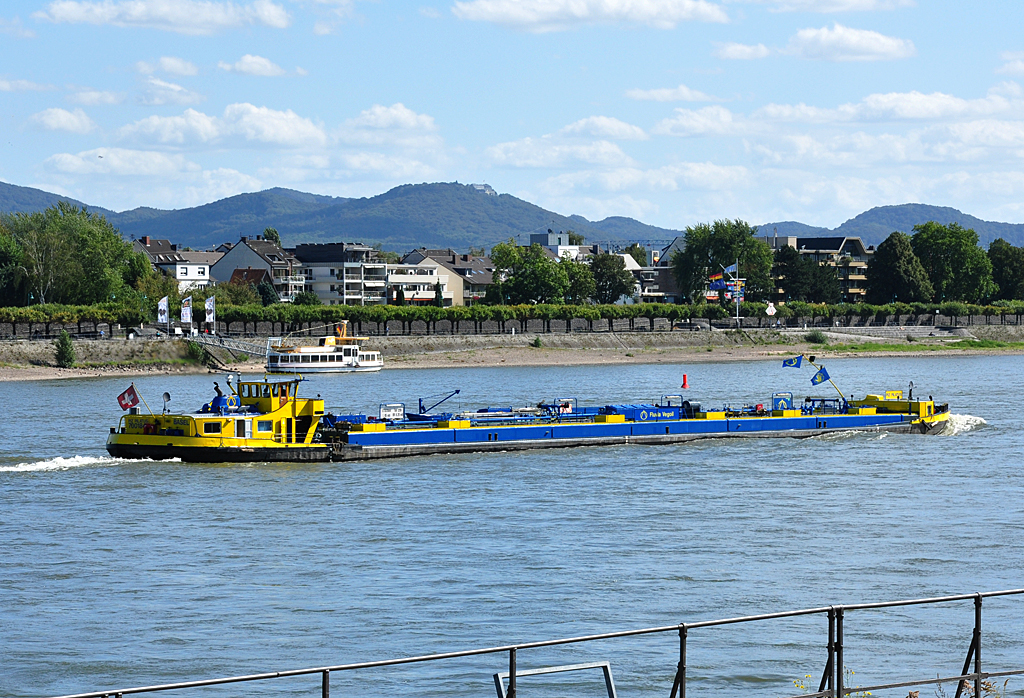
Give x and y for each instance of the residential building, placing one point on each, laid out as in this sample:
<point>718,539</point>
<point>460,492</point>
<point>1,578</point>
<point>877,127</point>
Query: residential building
<point>469,275</point>
<point>558,244</point>
<point>257,253</point>
<point>250,276</point>
<point>419,282</point>
<point>343,273</point>
<point>848,255</point>
<point>190,268</point>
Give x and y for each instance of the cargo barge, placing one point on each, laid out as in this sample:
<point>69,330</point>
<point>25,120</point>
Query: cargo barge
<point>265,421</point>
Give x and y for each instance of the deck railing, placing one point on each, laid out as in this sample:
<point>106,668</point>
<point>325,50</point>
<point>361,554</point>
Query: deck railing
<point>831,684</point>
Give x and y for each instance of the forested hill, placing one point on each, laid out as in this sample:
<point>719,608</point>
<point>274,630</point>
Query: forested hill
<point>876,225</point>
<point>448,215</point>
<point>409,216</point>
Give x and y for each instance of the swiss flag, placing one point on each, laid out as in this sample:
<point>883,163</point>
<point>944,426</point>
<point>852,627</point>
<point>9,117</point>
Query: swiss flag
<point>128,398</point>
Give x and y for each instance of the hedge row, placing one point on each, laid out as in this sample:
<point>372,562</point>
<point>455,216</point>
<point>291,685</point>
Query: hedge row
<point>285,317</point>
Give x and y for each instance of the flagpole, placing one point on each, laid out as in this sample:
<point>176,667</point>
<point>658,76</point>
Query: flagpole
<point>143,399</point>
<point>829,379</point>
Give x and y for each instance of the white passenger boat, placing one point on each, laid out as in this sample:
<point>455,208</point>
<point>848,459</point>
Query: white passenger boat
<point>338,354</point>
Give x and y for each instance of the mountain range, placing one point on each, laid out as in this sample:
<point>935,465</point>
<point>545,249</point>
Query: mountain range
<point>444,215</point>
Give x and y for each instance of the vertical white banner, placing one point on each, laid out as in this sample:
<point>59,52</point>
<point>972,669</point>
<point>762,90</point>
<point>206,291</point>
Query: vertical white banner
<point>211,310</point>
<point>161,311</point>
<point>186,310</point>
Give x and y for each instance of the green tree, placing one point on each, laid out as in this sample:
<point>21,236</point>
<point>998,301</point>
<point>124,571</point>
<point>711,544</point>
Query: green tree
<point>575,238</point>
<point>272,235</point>
<point>64,350</point>
<point>306,298</point>
<point>803,279</point>
<point>713,246</point>
<point>12,269</point>
<point>72,256</point>
<point>400,297</point>
<point>438,296</point>
<point>266,292</point>
<point>611,278</point>
<point>958,269</point>
<point>581,281</point>
<point>895,274</point>
<point>1007,269</point>
<point>528,274</point>
<point>638,253</point>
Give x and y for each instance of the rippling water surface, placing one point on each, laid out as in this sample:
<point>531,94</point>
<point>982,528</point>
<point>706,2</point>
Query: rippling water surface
<point>117,573</point>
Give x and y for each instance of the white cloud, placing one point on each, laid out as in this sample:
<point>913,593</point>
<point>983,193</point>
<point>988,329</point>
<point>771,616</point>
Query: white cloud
<point>213,185</point>
<point>285,128</point>
<point>118,161</point>
<point>76,121</point>
<point>840,5</point>
<point>92,98</point>
<point>556,15</point>
<point>845,44</point>
<point>709,121</point>
<point>387,165</point>
<point>13,27</point>
<point>671,94</point>
<point>1014,63</point>
<point>22,86</point>
<point>253,65</point>
<point>162,92</point>
<point>606,127</point>
<point>741,52</point>
<point>195,17</point>
<point>396,125</point>
<point>191,127</point>
<point>242,121</point>
<point>430,12</point>
<point>168,64</point>
<point>1004,98</point>
<point>545,153</point>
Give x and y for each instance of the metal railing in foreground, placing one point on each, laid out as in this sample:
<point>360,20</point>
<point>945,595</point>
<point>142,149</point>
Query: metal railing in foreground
<point>831,685</point>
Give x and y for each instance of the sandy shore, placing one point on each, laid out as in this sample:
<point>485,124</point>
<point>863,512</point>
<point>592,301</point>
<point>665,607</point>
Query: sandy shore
<point>509,356</point>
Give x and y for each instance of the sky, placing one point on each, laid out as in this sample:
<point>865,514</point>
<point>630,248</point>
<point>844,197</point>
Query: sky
<point>673,112</point>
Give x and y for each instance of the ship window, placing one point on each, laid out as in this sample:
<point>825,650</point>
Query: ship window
<point>266,391</point>
<point>211,427</point>
<point>306,359</point>
<point>276,389</point>
<point>273,359</point>
<point>316,358</point>
<point>348,351</point>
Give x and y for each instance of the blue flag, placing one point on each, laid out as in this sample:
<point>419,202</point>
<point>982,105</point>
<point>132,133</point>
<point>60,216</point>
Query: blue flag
<point>717,285</point>
<point>793,363</point>
<point>731,269</point>
<point>820,377</point>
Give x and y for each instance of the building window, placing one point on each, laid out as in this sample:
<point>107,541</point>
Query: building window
<point>201,271</point>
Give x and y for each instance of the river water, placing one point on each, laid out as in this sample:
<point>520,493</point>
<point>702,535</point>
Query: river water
<point>117,573</point>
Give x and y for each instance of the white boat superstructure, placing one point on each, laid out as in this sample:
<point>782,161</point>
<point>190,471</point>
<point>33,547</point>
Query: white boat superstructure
<point>338,354</point>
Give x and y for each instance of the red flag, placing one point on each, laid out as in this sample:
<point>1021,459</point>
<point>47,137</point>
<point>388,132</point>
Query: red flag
<point>128,398</point>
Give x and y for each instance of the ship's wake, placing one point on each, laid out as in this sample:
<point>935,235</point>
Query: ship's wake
<point>61,463</point>
<point>961,424</point>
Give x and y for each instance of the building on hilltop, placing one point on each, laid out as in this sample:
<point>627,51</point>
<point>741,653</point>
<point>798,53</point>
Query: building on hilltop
<point>485,188</point>
<point>343,273</point>
<point>257,253</point>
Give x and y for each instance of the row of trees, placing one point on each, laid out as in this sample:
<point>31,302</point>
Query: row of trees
<point>284,317</point>
<point>937,264</point>
<point>530,275</point>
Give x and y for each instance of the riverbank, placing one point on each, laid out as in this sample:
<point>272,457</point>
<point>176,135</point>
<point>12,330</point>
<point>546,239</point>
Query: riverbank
<point>33,360</point>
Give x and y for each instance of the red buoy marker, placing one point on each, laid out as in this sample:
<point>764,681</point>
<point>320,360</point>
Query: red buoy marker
<point>686,384</point>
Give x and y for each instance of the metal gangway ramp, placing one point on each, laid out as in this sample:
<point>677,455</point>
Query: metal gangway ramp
<point>235,346</point>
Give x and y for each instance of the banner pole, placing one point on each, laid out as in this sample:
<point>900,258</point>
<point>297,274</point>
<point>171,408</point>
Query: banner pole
<point>143,399</point>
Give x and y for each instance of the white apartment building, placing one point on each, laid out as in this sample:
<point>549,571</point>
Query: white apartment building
<point>419,282</point>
